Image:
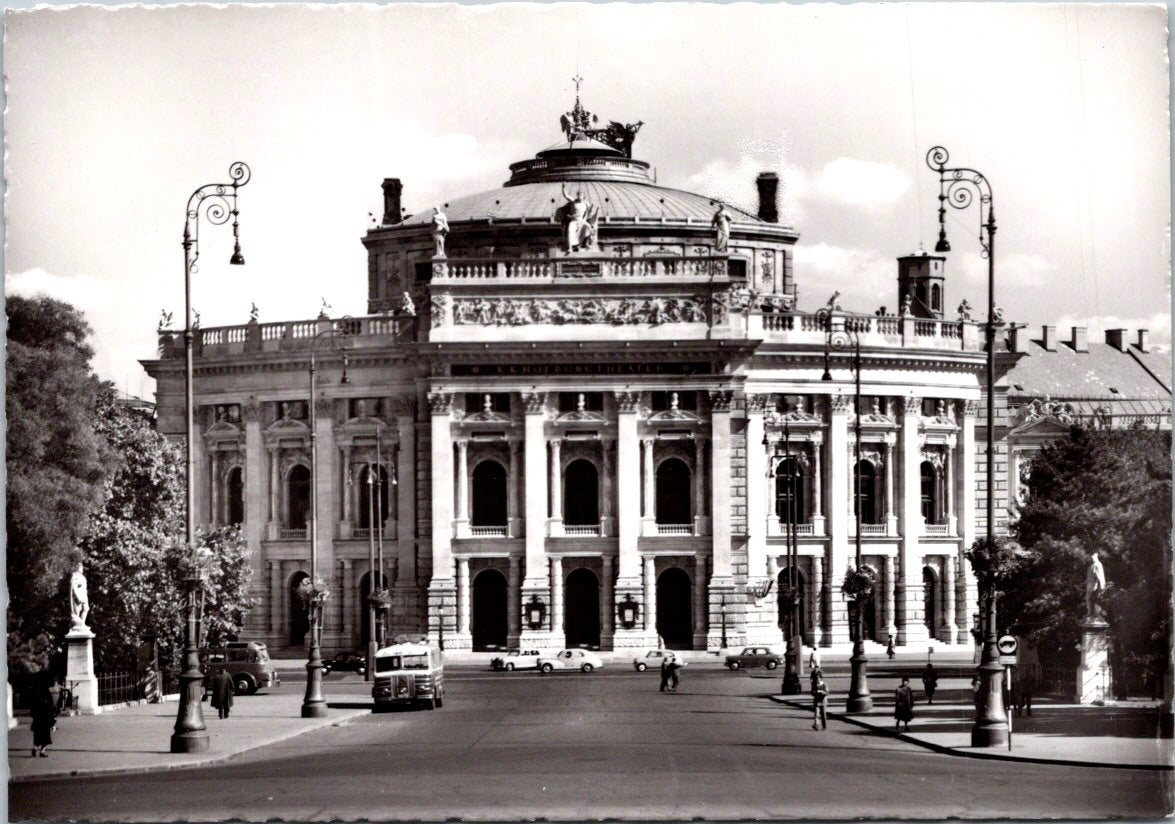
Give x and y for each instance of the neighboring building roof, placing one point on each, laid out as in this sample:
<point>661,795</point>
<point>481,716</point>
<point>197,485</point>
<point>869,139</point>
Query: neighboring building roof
<point>1102,372</point>
<point>616,199</point>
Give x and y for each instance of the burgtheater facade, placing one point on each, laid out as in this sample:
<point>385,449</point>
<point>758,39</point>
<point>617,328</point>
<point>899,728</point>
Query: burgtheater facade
<point>584,409</point>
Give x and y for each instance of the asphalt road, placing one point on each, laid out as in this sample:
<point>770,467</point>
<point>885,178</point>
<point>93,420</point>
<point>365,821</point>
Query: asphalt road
<point>607,744</point>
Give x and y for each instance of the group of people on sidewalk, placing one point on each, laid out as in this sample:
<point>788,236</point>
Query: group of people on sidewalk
<point>903,695</point>
<point>670,667</point>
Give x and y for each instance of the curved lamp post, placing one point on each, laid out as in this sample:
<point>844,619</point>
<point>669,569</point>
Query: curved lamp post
<point>791,597</point>
<point>314,704</point>
<point>217,202</point>
<point>958,186</point>
<point>841,336</point>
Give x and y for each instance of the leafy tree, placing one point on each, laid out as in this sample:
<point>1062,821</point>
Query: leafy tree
<point>1107,492</point>
<point>56,468</point>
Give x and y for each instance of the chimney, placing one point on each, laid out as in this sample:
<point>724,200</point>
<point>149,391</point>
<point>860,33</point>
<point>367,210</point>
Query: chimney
<point>1018,338</point>
<point>392,189</point>
<point>1116,338</point>
<point>1050,339</point>
<point>768,183</point>
<point>1144,340</point>
<point>1080,342</point>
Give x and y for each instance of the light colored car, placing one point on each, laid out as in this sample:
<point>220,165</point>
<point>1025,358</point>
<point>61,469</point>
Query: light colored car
<point>570,659</point>
<point>652,659</point>
<point>516,659</point>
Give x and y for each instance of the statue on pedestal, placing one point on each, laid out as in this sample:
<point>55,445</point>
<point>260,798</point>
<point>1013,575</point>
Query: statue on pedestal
<point>440,229</point>
<point>721,224</point>
<point>580,221</point>
<point>1095,585</point>
<point>79,601</point>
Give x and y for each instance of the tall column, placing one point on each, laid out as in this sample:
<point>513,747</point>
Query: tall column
<point>406,610</point>
<point>513,602</point>
<point>556,487</point>
<point>949,632</point>
<point>461,523</point>
<point>327,509</point>
<point>214,464</point>
<point>513,527</point>
<point>534,474</point>
<point>966,590</point>
<point>891,520</point>
<point>911,626</point>
<point>348,598</point>
<point>949,483</point>
<point>442,590</point>
<point>276,595</point>
<point>891,628</point>
<point>463,599</point>
<point>607,491</point>
<point>628,493</point>
<point>839,511</point>
<point>720,486</point>
<point>556,564</point>
<point>275,513</point>
<point>701,520</point>
<point>607,599</point>
<point>818,525</point>
<point>814,607</point>
<point>650,593</point>
<point>649,517</point>
<point>348,490</point>
<point>255,504</point>
<point>699,599</point>
<point>756,489</point>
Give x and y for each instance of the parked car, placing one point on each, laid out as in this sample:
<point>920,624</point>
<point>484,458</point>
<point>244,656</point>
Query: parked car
<point>345,662</point>
<point>754,657</point>
<point>652,658</point>
<point>570,659</point>
<point>516,659</point>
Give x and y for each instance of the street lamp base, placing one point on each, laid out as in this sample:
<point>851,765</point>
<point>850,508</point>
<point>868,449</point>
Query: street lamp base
<point>991,735</point>
<point>195,741</point>
<point>314,710</point>
<point>862,703</point>
<point>791,684</point>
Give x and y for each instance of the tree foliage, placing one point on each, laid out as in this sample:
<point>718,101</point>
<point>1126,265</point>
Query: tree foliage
<point>56,468</point>
<point>1107,492</point>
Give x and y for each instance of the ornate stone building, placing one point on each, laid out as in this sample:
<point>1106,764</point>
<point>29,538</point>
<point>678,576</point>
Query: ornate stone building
<point>583,409</point>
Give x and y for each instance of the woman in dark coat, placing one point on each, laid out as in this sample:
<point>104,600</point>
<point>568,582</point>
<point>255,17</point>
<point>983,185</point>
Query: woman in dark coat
<point>222,693</point>
<point>44,714</point>
<point>903,707</point>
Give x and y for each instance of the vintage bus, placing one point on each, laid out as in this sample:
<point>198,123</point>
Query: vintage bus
<point>409,673</point>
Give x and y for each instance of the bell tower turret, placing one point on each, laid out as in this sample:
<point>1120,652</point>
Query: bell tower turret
<point>921,280</point>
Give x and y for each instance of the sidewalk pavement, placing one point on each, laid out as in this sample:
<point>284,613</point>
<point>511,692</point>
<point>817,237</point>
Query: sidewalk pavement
<point>1123,735</point>
<point>138,738</point>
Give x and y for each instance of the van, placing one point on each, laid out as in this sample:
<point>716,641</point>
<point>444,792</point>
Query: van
<point>409,673</point>
<point>246,661</point>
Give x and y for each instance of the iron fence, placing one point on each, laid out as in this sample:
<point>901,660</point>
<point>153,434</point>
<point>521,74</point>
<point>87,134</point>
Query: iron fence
<point>114,688</point>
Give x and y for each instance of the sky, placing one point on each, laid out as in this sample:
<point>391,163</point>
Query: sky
<point>116,114</point>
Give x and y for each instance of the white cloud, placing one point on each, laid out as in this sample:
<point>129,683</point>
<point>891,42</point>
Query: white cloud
<point>865,278</point>
<point>734,182</point>
<point>860,182</point>
<point>1159,325</point>
<point>83,291</point>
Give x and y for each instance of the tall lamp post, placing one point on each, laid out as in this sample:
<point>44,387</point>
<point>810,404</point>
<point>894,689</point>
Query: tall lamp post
<point>313,703</point>
<point>841,335</point>
<point>218,203</point>
<point>791,597</point>
<point>958,187</point>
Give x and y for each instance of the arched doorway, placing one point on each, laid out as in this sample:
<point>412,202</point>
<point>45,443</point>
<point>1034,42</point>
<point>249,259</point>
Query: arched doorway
<point>929,599</point>
<point>299,623</point>
<point>489,610</point>
<point>581,487</point>
<point>298,497</point>
<point>674,608</point>
<point>782,584</point>
<point>365,589</point>
<point>673,492</point>
<point>489,494</point>
<point>581,608</point>
<point>236,495</point>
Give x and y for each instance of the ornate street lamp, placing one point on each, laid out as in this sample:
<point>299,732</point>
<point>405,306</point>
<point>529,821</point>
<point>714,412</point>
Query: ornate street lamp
<point>314,704</point>
<point>958,186</point>
<point>791,596</point>
<point>217,202</point>
<point>840,335</point>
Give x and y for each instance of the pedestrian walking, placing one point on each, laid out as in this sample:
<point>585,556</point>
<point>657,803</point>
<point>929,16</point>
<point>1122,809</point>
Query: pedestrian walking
<point>975,685</point>
<point>43,711</point>
<point>222,693</point>
<point>889,648</point>
<point>903,706</point>
<point>930,682</point>
<point>674,668</point>
<point>665,672</point>
<point>814,660</point>
<point>819,701</point>
<point>1026,688</point>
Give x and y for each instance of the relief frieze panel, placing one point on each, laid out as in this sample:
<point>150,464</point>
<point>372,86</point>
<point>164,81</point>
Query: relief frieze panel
<point>617,311</point>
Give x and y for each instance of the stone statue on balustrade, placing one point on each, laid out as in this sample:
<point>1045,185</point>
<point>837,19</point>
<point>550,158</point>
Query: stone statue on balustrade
<point>79,601</point>
<point>721,224</point>
<point>1095,586</point>
<point>440,229</point>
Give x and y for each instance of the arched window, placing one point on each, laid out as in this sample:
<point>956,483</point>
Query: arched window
<point>789,492</point>
<point>929,598</point>
<point>489,494</point>
<point>867,491</point>
<point>929,493</point>
<point>673,492</point>
<point>920,292</point>
<point>236,495</point>
<point>936,298</point>
<point>581,487</point>
<point>298,497</point>
<point>372,482</point>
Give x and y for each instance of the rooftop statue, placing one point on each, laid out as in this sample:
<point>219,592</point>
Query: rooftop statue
<point>579,123</point>
<point>440,228</point>
<point>580,221</point>
<point>721,224</point>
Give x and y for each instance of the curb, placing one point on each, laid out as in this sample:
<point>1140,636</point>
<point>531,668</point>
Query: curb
<point>945,750</point>
<point>203,761</point>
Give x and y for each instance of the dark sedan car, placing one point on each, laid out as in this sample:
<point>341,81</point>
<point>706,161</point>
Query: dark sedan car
<point>345,662</point>
<point>754,657</point>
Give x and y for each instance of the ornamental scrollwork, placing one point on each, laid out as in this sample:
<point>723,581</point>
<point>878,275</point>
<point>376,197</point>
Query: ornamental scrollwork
<point>970,409</point>
<point>561,311</point>
<point>251,411</point>
<point>757,404</point>
<point>1061,411</point>
<point>438,309</point>
<point>627,401</point>
<point>440,403</point>
<point>534,403</point>
<point>911,406</point>
<point>840,404</point>
<point>720,401</point>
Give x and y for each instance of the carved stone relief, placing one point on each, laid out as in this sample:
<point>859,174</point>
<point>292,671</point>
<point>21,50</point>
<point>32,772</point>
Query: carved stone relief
<point>617,311</point>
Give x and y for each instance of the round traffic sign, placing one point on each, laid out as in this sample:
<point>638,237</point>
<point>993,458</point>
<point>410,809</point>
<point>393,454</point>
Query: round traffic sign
<point>1006,645</point>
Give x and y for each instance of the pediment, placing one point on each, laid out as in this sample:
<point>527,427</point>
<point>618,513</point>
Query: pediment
<point>365,422</point>
<point>487,417</point>
<point>674,416</point>
<point>581,416</point>
<point>287,427</point>
<point>223,429</point>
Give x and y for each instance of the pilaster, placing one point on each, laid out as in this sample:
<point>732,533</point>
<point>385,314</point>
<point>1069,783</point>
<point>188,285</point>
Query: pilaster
<point>255,507</point>
<point>442,590</point>
<point>910,623</point>
<point>756,490</point>
<point>720,504</point>
<point>839,483</point>
<point>966,590</point>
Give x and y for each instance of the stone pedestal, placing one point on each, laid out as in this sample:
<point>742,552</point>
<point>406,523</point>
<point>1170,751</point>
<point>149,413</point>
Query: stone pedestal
<point>1093,676</point>
<point>79,670</point>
